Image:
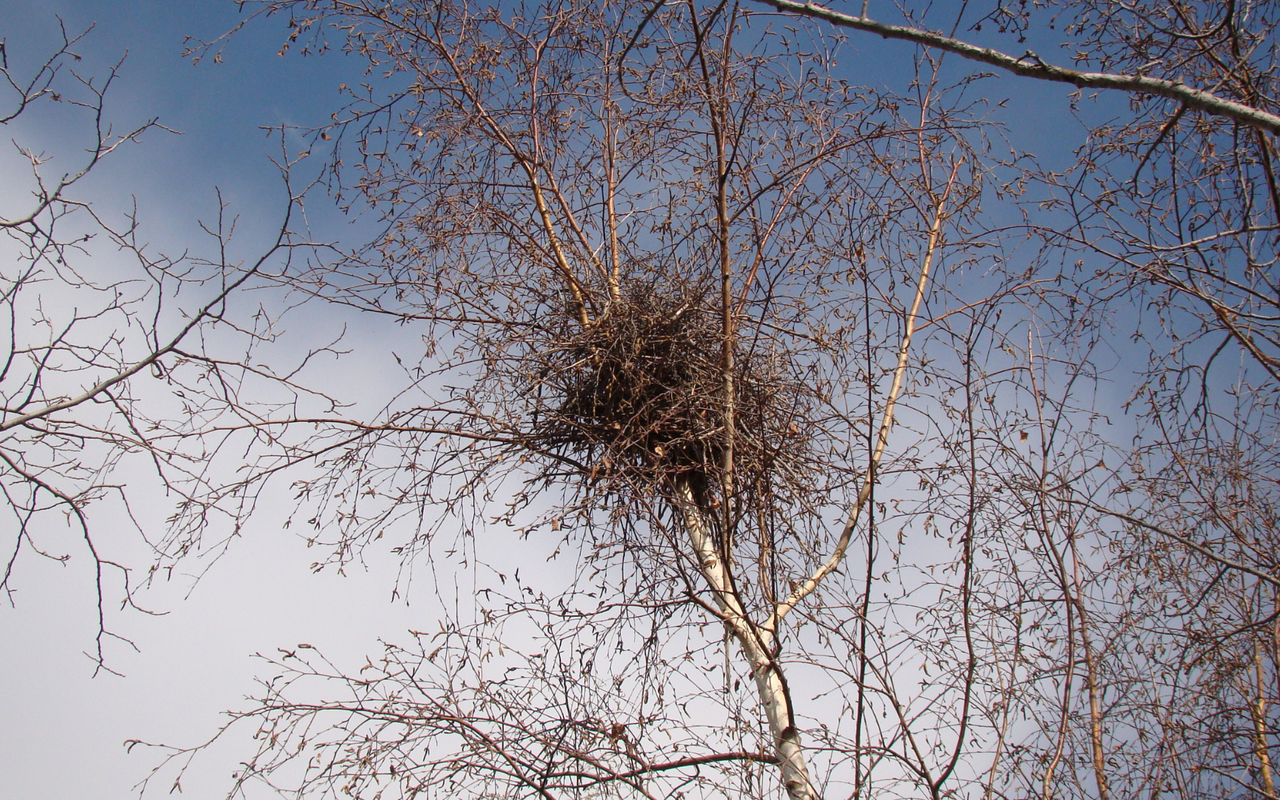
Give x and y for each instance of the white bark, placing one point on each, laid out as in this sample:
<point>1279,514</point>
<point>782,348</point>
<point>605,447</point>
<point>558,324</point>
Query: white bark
<point>756,642</point>
<point>1031,66</point>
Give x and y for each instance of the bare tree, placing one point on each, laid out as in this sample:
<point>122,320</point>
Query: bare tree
<point>1172,210</point>
<point>676,271</point>
<point>113,355</point>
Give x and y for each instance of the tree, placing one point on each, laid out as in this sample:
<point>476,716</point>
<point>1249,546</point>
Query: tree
<point>821,434</point>
<point>659,270</point>
<point>115,355</point>
<point>1176,208</point>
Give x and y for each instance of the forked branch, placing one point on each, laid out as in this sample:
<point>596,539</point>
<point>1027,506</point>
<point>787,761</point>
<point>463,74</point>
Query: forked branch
<point>886,421</point>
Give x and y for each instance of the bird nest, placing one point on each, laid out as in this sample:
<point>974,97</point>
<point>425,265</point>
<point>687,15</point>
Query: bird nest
<point>639,398</point>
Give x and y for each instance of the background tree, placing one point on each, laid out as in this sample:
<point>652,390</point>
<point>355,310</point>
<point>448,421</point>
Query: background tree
<point>1171,203</point>
<point>114,355</point>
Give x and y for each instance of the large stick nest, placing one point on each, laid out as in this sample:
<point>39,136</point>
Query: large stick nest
<point>639,397</point>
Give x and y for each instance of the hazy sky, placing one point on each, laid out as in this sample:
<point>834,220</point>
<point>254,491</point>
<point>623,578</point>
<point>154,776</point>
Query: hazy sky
<point>61,730</point>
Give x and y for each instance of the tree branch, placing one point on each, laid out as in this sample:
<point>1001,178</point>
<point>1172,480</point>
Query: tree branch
<point>886,423</point>
<point>1029,65</point>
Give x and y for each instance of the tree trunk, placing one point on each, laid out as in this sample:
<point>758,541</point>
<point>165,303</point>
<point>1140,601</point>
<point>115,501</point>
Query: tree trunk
<point>755,641</point>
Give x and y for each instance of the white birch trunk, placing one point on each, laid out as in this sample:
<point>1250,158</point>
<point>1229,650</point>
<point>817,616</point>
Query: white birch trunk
<point>755,641</point>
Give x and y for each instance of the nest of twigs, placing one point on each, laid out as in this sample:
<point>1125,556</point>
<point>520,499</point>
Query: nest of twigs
<point>639,399</point>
